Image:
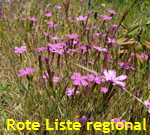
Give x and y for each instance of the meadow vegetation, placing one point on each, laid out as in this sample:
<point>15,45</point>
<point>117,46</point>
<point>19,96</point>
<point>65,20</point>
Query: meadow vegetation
<point>74,60</point>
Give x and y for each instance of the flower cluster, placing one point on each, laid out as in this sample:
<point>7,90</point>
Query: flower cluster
<point>26,71</point>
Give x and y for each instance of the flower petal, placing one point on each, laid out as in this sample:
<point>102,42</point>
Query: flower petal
<point>119,83</point>
<point>121,77</point>
<point>76,82</point>
<point>85,83</point>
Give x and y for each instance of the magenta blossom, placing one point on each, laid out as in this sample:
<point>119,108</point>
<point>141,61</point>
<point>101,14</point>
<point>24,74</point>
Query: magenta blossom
<point>81,0</point>
<point>95,78</point>
<point>83,119</point>
<point>114,25</point>
<point>82,18</point>
<point>100,49</point>
<point>78,79</point>
<point>110,75</point>
<point>33,19</point>
<point>27,71</point>
<point>143,55</point>
<point>100,35</point>
<point>38,26</point>
<point>46,33</point>
<point>56,48</point>
<point>48,14</point>
<point>55,79</point>
<point>58,7</point>
<point>108,57</point>
<point>53,26</point>
<point>48,5</point>
<point>23,19</point>
<point>73,36</point>
<point>111,41</point>
<point>71,50</point>
<point>126,66</point>
<point>71,20</point>
<point>147,103</point>
<point>106,17</point>
<point>115,120</point>
<point>50,22</point>
<point>89,12</point>
<point>46,76</point>
<point>55,38</point>
<point>112,12</point>
<point>41,49</point>
<point>84,48</point>
<point>104,90</point>
<point>71,91</point>
<point>20,50</point>
<point>91,61</point>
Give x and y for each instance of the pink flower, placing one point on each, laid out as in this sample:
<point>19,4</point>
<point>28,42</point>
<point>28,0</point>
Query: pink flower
<point>46,33</point>
<point>111,40</point>
<point>73,36</point>
<point>38,26</point>
<point>71,20</point>
<point>53,26</point>
<point>81,18</point>
<point>27,71</point>
<point>10,0</point>
<point>107,57</point>
<point>147,103</point>
<point>110,75</point>
<point>132,54</point>
<point>104,90</point>
<point>78,79</point>
<point>46,76</point>
<point>41,49</point>
<point>23,19</point>
<point>87,28</point>
<point>95,78</point>
<point>100,49</point>
<point>33,19</point>
<point>99,35</point>
<point>70,91</point>
<point>91,61</point>
<point>50,22</point>
<point>84,48</point>
<point>143,55</point>
<point>48,5</point>
<point>115,120</point>
<point>71,50</point>
<point>55,79</point>
<point>89,12</point>
<point>81,0</point>
<point>106,17</point>
<point>48,14</point>
<point>94,27</point>
<point>14,16</point>
<point>20,50</point>
<point>126,66</point>
<point>55,38</point>
<point>58,7</point>
<point>56,50</point>
<point>83,119</point>
<point>112,12</point>
<point>114,25</point>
